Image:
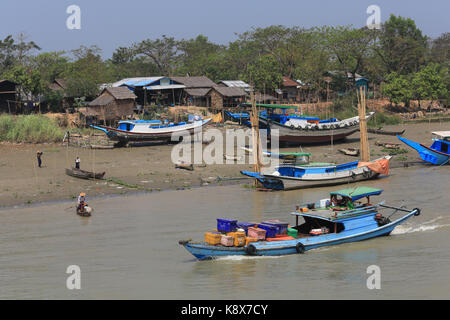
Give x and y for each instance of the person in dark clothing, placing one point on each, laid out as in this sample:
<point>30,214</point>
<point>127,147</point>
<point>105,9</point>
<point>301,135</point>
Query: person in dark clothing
<point>77,163</point>
<point>39,154</point>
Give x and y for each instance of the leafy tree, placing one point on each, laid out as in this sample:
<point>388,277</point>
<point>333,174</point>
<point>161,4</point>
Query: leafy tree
<point>428,83</point>
<point>264,74</point>
<point>440,50</point>
<point>197,56</point>
<point>86,73</point>
<point>398,88</point>
<point>401,45</point>
<point>163,52</point>
<point>7,59</point>
<point>348,47</point>
<point>51,66</point>
<point>27,78</point>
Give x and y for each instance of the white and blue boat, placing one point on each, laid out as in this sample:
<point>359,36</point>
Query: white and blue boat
<point>340,219</point>
<point>438,153</point>
<point>290,176</point>
<point>149,130</point>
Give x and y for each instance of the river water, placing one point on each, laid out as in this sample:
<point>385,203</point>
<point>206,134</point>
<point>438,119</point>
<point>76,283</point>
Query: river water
<point>129,248</point>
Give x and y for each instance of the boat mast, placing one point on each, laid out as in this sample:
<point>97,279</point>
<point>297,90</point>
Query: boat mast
<point>364,144</point>
<point>255,137</point>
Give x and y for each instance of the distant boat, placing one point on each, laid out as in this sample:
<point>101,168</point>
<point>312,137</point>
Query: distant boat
<point>83,174</point>
<point>438,153</point>
<point>350,151</point>
<point>294,176</point>
<point>141,130</point>
<point>341,219</point>
<point>384,132</point>
<point>306,132</point>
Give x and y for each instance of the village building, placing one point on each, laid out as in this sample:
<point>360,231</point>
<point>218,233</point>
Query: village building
<point>113,104</point>
<point>154,90</point>
<point>8,94</point>
<point>289,90</point>
<point>60,85</point>
<point>225,97</point>
<point>196,90</point>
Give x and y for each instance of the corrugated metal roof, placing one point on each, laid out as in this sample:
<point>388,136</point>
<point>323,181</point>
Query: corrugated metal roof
<point>235,83</point>
<point>168,86</point>
<point>142,81</point>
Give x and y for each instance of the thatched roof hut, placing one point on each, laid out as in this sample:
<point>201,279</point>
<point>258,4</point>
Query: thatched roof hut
<point>113,104</point>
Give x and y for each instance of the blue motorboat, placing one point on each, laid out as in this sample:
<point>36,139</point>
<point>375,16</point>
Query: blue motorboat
<point>438,153</point>
<point>339,219</point>
<point>293,175</point>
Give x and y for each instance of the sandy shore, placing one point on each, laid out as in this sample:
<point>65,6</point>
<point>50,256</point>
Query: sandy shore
<point>150,169</point>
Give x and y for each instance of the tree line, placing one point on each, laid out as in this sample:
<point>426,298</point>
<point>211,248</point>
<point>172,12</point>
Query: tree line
<point>398,57</point>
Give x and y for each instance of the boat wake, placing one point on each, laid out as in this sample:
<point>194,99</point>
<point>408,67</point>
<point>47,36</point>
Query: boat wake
<point>425,226</point>
<point>239,258</point>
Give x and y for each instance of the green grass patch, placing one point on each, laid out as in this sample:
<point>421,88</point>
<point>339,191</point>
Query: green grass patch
<point>395,151</point>
<point>29,129</point>
<point>380,118</point>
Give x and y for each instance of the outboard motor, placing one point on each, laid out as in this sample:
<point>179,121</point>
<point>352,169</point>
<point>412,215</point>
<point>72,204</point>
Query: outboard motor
<point>381,220</point>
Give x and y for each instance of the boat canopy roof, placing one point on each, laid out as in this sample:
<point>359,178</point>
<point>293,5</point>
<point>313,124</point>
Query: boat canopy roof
<point>443,134</point>
<point>357,192</point>
<point>295,154</point>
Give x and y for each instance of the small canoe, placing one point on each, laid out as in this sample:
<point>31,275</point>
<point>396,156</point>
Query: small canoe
<point>388,145</point>
<point>350,152</point>
<point>388,133</point>
<point>184,166</point>
<point>82,174</point>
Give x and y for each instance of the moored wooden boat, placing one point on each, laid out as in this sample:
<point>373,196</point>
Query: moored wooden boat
<point>293,176</point>
<point>141,130</point>
<point>313,132</point>
<point>384,132</point>
<point>350,151</point>
<point>340,220</point>
<point>83,174</point>
<point>438,153</point>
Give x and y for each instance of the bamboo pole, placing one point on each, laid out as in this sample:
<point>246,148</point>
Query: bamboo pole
<point>255,139</point>
<point>365,151</point>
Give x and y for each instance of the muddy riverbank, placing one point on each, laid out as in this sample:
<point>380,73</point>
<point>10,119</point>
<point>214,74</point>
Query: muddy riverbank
<point>150,169</point>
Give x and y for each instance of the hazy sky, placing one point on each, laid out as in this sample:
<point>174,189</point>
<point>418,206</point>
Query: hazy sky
<point>110,24</point>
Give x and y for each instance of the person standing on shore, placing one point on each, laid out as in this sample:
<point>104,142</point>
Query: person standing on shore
<point>39,154</point>
<point>77,163</point>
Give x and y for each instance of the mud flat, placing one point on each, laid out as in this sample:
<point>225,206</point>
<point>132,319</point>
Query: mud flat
<point>149,168</point>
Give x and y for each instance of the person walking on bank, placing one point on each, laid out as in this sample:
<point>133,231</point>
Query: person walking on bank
<point>39,154</point>
<point>77,163</point>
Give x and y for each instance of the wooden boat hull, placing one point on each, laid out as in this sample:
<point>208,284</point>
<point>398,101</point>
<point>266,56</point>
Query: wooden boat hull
<point>203,251</point>
<point>350,152</point>
<point>310,180</point>
<point>388,133</point>
<point>302,136</point>
<point>82,174</point>
<point>426,153</point>
<point>290,183</point>
<point>157,134</point>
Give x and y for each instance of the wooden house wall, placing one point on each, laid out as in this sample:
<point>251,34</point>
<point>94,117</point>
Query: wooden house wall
<point>7,93</point>
<point>216,100</point>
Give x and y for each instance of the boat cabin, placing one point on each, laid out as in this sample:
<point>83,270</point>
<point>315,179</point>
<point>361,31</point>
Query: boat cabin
<point>442,144</point>
<point>342,211</point>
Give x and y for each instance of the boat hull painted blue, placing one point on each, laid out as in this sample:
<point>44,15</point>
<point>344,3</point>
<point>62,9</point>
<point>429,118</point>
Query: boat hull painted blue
<point>203,251</point>
<point>427,154</point>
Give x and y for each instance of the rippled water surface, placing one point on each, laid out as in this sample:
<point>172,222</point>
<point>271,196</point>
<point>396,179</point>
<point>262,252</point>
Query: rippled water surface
<point>129,247</point>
